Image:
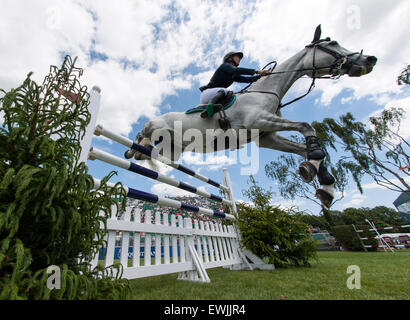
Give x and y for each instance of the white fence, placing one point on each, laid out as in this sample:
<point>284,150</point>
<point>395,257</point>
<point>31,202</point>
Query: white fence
<point>179,245</point>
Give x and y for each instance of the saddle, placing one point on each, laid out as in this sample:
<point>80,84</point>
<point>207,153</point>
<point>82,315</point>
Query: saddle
<point>226,103</point>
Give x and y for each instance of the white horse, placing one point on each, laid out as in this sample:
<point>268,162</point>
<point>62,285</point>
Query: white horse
<point>259,108</point>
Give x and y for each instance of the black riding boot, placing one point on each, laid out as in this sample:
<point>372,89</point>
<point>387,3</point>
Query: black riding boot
<point>215,101</point>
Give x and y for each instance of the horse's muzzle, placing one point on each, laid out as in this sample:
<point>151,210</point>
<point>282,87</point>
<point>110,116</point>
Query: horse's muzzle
<point>362,66</point>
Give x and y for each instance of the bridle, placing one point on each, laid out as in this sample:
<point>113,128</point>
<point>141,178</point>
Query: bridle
<point>338,63</point>
<point>340,60</point>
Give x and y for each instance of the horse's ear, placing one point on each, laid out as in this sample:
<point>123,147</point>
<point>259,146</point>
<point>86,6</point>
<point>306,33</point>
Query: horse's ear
<point>318,33</point>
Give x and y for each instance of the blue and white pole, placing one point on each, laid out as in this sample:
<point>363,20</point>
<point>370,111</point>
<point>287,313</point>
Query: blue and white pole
<point>133,167</point>
<point>165,202</point>
<point>99,130</point>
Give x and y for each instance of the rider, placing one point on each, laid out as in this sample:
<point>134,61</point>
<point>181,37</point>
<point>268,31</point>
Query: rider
<point>224,76</point>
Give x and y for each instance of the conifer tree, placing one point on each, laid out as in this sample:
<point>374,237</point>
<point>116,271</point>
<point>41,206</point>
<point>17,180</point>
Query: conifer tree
<point>49,212</point>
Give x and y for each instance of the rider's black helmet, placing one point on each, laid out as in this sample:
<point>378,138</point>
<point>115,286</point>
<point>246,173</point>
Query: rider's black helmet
<point>231,54</point>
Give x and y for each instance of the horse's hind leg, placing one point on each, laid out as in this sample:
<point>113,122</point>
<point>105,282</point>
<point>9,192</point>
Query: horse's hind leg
<point>145,142</point>
<point>142,139</point>
<point>327,181</point>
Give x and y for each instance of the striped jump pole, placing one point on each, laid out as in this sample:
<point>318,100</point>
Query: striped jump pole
<point>133,167</point>
<point>385,228</point>
<point>397,246</point>
<point>99,130</point>
<point>165,202</point>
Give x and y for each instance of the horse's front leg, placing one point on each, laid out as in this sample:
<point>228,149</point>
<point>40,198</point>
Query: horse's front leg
<point>314,153</point>
<point>275,141</point>
<point>311,150</point>
<point>327,181</point>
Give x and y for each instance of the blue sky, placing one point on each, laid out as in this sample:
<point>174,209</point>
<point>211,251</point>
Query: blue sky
<point>150,57</point>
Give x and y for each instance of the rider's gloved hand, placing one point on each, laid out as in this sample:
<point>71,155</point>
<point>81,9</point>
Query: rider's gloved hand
<point>262,72</point>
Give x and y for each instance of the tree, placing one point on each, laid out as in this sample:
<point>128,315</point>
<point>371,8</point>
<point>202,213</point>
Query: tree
<point>316,221</point>
<point>404,77</point>
<point>377,150</point>
<point>383,217</point>
<point>49,212</point>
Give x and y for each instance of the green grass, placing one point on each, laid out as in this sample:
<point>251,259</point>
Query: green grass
<point>384,276</point>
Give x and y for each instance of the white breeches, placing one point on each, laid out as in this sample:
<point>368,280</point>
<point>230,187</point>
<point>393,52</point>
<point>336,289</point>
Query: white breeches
<point>207,94</point>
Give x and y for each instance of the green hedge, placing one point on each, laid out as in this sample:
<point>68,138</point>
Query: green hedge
<point>349,239</point>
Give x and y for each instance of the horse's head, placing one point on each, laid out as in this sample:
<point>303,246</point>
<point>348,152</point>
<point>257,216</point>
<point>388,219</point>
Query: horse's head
<point>329,58</point>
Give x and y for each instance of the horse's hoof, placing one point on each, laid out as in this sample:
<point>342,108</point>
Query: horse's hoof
<point>138,156</point>
<point>325,197</point>
<point>141,156</point>
<point>307,171</point>
<point>128,154</point>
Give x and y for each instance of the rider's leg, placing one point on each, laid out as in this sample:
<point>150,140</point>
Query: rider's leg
<point>221,93</point>
<point>207,94</point>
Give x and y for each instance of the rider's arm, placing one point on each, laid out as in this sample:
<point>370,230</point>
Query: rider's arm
<point>228,68</point>
<point>237,72</point>
<point>242,79</point>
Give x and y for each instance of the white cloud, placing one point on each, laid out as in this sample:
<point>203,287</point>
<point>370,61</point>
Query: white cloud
<point>352,198</point>
<point>356,200</point>
<point>146,45</point>
<point>33,35</point>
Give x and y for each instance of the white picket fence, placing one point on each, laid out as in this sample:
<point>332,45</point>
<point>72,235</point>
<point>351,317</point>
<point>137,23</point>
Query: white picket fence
<point>201,245</point>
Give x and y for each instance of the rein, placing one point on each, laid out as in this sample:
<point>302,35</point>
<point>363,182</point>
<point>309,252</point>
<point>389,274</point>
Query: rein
<point>340,60</point>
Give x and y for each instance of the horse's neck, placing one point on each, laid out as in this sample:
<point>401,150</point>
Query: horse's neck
<point>280,83</point>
